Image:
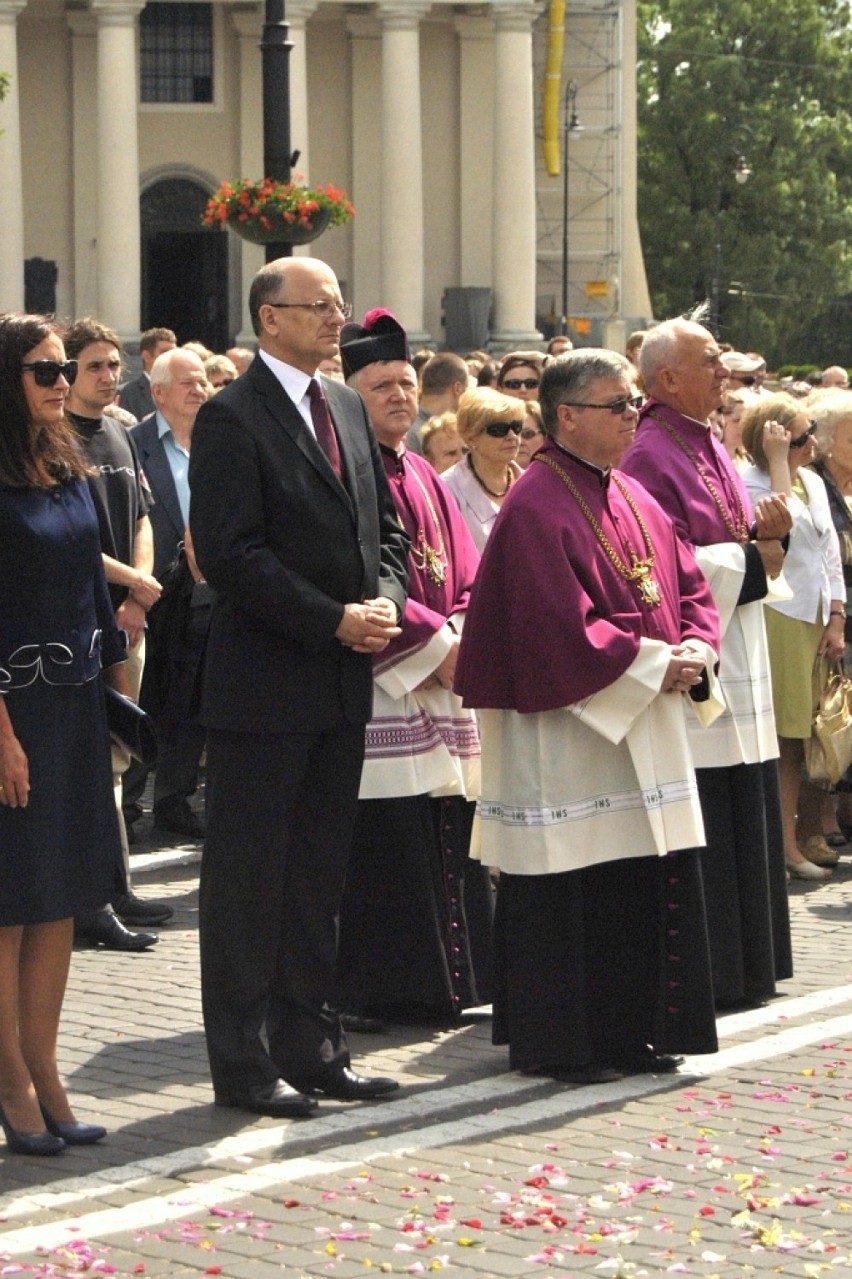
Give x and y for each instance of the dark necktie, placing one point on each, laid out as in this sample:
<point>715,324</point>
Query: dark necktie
<point>323,427</point>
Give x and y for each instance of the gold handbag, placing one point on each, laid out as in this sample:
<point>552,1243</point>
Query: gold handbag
<point>828,751</point>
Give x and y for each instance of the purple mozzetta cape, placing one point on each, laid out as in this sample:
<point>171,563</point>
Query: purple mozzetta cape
<point>551,621</point>
<point>429,604</point>
<point>662,466</point>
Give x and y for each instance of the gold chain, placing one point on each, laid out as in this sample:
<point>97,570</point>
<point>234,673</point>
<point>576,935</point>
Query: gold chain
<point>639,572</point>
<point>739,531</point>
<point>433,559</point>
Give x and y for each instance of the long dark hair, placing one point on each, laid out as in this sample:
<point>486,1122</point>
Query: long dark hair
<point>30,456</point>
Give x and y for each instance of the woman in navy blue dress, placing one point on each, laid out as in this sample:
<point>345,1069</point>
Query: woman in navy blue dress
<point>58,826</point>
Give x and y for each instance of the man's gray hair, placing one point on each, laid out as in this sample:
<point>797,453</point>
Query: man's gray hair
<point>568,379</point>
<point>659,349</point>
<point>161,369</point>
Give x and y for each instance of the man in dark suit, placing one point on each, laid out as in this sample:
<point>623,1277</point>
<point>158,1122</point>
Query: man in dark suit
<point>135,395</point>
<point>295,528</point>
<point>163,441</point>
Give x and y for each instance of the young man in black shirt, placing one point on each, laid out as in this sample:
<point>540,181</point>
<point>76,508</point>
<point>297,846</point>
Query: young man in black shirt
<point>122,500</point>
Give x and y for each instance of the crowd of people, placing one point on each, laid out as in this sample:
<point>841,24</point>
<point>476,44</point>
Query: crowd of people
<point>501,668</point>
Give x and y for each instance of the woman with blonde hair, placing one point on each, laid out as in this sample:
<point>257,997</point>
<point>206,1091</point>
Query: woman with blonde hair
<point>779,436</point>
<point>490,425</point>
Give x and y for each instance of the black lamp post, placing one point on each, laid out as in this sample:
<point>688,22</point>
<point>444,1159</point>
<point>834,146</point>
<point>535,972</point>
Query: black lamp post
<point>275,72</point>
<point>571,124</point>
<point>742,172</point>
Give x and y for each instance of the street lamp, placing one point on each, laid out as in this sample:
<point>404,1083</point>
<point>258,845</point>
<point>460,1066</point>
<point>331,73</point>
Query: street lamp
<point>742,171</point>
<point>275,74</point>
<point>571,124</point>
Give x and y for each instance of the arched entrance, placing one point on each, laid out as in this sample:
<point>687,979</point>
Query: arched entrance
<point>184,264</point>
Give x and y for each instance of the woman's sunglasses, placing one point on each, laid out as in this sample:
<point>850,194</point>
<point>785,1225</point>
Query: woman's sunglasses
<point>499,430</point>
<point>801,440</point>
<point>516,383</point>
<point>48,372</point>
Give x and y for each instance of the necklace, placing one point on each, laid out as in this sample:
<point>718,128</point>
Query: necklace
<point>638,572</point>
<point>427,558</point>
<point>481,482</point>
<point>736,526</point>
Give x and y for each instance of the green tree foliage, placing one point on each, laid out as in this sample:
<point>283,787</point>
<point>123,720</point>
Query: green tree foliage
<point>771,82</point>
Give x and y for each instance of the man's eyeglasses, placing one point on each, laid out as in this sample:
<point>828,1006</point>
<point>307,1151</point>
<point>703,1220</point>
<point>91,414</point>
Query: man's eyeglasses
<point>499,430</point>
<point>48,372</point>
<point>323,308</point>
<point>616,407</point>
<point>517,383</point>
<point>801,440</point>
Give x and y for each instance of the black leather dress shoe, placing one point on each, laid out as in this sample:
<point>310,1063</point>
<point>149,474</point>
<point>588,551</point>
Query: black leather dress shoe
<point>180,821</point>
<point>582,1075</point>
<point>134,911</point>
<point>277,1100</point>
<point>343,1084</point>
<point>647,1062</point>
<point>104,928</point>
<point>358,1025</point>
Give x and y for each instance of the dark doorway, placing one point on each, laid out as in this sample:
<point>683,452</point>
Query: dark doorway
<point>184,265</point>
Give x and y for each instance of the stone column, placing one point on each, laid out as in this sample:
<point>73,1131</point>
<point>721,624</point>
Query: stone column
<point>298,12</point>
<point>12,239</point>
<point>402,167</point>
<point>249,26</point>
<point>365,116</point>
<point>119,264</point>
<point>476,162</point>
<point>514,222</point>
<point>84,168</point>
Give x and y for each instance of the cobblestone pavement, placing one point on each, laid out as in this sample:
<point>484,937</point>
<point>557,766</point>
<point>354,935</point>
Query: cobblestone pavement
<point>741,1162</point>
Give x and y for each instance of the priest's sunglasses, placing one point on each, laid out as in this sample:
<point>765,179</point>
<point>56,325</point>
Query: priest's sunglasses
<point>48,372</point>
<point>499,430</point>
<point>323,308</point>
<point>616,407</point>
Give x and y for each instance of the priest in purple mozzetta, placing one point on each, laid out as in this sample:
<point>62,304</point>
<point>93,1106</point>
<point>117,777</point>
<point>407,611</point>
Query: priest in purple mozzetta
<point>415,922</point>
<point>590,636</point>
<point>678,459</point>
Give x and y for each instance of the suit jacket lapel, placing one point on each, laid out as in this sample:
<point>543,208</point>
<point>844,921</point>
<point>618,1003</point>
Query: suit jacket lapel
<point>156,466</point>
<point>286,415</point>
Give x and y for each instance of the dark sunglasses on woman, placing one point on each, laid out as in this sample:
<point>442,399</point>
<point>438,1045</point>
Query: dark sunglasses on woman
<point>47,372</point>
<point>499,430</point>
<point>516,383</point>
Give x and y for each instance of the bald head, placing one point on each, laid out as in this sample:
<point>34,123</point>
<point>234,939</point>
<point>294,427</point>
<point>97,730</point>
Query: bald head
<point>681,367</point>
<point>835,375</point>
<point>296,311</point>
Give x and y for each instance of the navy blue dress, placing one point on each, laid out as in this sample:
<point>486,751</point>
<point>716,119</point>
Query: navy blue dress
<point>57,855</point>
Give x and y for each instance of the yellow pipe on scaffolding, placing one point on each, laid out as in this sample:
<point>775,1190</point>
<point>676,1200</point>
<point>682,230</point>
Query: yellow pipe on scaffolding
<point>552,82</point>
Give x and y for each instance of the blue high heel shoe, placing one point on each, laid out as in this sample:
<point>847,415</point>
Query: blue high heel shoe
<point>73,1134</point>
<point>30,1143</point>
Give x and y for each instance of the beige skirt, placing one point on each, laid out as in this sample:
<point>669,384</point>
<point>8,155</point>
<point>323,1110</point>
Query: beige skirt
<point>793,648</point>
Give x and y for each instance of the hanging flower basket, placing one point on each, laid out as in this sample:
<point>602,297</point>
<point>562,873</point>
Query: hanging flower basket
<point>269,212</point>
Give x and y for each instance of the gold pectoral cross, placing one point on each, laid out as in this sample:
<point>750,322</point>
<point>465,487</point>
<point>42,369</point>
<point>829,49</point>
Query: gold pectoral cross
<point>648,588</point>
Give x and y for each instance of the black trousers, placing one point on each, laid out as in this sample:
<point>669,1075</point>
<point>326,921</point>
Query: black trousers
<point>280,814</point>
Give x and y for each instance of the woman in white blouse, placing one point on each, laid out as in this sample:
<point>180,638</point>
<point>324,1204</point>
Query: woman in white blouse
<point>490,425</point>
<point>809,624</point>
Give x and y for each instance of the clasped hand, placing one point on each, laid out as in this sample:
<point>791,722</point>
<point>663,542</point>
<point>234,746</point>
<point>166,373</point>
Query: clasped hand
<point>685,670</point>
<point>368,627</point>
